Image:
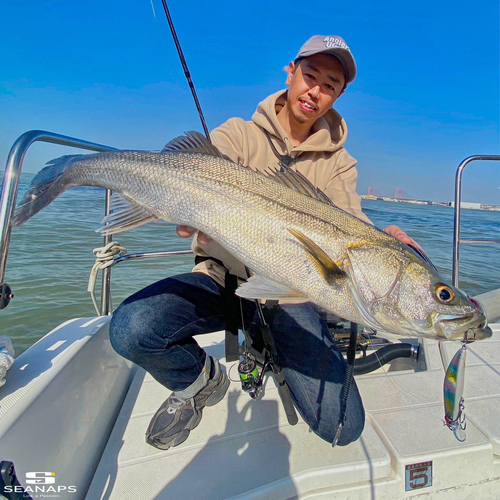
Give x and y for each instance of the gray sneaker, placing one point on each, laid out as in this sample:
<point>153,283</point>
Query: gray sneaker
<point>176,417</point>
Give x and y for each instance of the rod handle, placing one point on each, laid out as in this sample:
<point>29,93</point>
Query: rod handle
<point>286,399</point>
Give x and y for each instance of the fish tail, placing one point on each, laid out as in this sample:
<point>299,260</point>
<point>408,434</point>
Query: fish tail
<point>45,187</point>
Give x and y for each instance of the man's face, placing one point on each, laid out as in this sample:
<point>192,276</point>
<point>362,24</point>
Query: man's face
<point>314,84</point>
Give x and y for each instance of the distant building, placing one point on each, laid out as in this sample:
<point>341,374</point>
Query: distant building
<point>463,204</point>
<point>493,208</point>
<point>467,204</point>
<point>418,202</point>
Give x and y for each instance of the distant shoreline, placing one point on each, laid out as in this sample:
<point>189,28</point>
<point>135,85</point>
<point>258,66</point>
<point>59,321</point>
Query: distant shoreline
<point>451,204</point>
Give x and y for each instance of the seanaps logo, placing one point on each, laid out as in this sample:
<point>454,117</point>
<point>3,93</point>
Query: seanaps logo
<point>41,485</point>
<point>40,477</point>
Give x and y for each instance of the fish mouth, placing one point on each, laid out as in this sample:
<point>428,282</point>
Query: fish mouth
<point>471,327</point>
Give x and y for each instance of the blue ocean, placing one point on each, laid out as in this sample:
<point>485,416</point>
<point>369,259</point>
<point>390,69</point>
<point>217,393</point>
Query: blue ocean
<point>50,257</point>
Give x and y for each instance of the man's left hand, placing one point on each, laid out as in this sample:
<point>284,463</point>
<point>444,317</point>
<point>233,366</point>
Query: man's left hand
<point>398,233</point>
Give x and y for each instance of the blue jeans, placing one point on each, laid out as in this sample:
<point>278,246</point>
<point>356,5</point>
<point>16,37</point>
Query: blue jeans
<point>154,328</point>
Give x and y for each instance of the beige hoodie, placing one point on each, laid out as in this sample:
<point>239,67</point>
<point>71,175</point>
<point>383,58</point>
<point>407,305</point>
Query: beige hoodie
<point>321,158</point>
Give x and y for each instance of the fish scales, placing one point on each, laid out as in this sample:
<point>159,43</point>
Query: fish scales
<point>312,249</point>
<point>186,199</point>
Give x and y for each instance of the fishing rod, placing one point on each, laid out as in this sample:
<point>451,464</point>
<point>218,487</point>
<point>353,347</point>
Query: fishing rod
<point>185,68</point>
<point>265,331</point>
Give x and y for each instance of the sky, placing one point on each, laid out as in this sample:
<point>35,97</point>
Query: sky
<point>426,95</point>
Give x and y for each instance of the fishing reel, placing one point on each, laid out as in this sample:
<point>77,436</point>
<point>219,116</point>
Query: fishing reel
<point>262,352</point>
<point>251,380</point>
<point>251,361</point>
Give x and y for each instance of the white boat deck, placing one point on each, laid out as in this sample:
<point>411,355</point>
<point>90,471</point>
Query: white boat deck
<point>245,449</point>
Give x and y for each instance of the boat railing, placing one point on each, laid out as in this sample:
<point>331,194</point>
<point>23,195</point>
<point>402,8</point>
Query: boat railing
<point>8,198</point>
<point>458,201</point>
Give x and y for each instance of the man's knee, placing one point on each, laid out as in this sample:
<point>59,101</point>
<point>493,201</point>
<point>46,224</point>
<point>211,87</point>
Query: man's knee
<point>124,335</point>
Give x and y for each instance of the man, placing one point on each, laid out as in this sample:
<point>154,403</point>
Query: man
<point>155,327</point>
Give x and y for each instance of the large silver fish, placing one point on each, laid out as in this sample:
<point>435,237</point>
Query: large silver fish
<point>291,236</point>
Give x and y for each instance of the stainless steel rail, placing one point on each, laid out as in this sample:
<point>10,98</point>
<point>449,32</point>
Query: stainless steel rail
<point>148,255</point>
<point>479,242</point>
<point>458,200</point>
<point>9,195</point>
<point>11,183</point>
<point>106,272</point>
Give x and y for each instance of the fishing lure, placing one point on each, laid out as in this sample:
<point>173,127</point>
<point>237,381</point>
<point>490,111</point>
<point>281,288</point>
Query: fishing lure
<point>453,394</point>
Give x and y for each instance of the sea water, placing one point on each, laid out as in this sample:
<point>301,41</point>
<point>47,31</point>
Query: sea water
<point>50,257</point>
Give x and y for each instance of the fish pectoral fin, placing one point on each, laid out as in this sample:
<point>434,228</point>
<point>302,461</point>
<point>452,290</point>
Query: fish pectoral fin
<point>323,263</point>
<point>125,215</point>
<point>259,287</point>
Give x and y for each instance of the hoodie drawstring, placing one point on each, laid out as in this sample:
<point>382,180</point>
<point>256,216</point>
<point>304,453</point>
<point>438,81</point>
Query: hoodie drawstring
<point>285,159</point>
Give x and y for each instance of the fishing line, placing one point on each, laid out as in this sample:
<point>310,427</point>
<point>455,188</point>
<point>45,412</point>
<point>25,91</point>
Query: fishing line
<point>153,7</point>
<point>399,386</point>
<point>162,44</point>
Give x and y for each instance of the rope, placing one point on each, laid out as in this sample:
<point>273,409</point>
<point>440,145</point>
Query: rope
<point>105,257</point>
<point>6,357</point>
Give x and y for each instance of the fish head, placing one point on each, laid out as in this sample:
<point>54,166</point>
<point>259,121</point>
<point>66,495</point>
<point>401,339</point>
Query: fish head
<point>467,321</point>
<point>401,293</point>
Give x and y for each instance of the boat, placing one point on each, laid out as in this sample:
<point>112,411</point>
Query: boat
<point>73,415</point>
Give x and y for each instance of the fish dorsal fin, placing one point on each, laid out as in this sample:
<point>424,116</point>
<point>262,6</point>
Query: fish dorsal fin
<point>298,182</point>
<point>125,215</point>
<point>260,287</point>
<point>193,142</point>
<point>322,197</point>
<point>323,263</point>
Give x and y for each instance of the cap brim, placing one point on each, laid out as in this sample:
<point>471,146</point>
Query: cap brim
<point>344,56</point>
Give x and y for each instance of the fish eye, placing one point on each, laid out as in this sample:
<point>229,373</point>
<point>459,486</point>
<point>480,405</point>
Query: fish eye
<point>444,293</point>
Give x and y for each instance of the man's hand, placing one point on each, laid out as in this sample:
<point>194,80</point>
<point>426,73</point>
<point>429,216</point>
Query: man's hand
<point>188,231</point>
<point>398,233</point>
